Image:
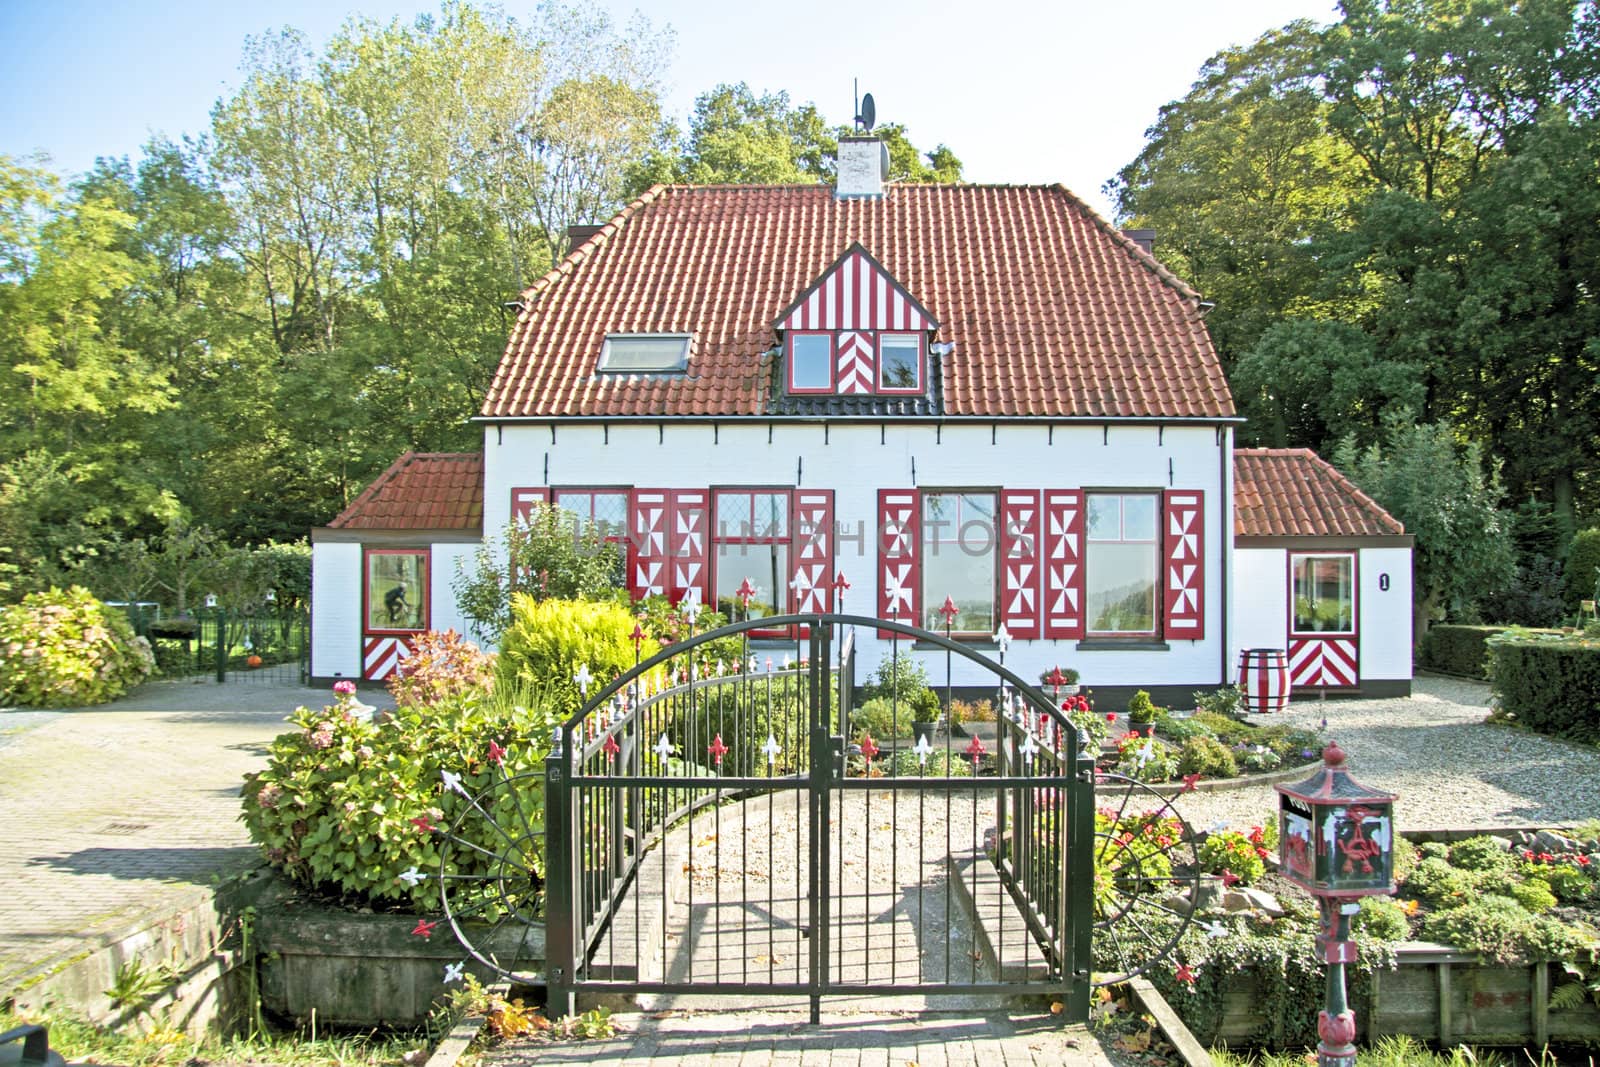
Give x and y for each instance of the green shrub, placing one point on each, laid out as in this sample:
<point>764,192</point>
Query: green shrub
<point>548,641</point>
<point>1534,895</point>
<point>744,712</point>
<point>882,719</point>
<point>1181,730</point>
<point>1131,854</point>
<point>1208,757</point>
<point>1227,701</point>
<point>1482,853</point>
<point>940,764</point>
<point>1501,929</point>
<point>1145,759</point>
<point>1457,649</point>
<point>898,677</point>
<point>1434,850</point>
<point>1381,918</point>
<point>1141,711</point>
<point>1225,727</point>
<point>1235,853</point>
<point>1258,757</point>
<point>1405,858</point>
<point>1583,568</point>
<point>1548,682</point>
<point>1435,882</point>
<point>545,558</point>
<point>66,649</point>
<point>668,624</point>
<point>335,806</point>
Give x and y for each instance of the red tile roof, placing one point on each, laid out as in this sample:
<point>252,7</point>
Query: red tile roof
<point>1293,492</point>
<point>1052,311</point>
<point>421,491</point>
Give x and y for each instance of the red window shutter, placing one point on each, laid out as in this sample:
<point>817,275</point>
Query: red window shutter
<point>1063,563</point>
<point>647,542</point>
<point>524,498</point>
<point>899,574</point>
<point>1183,563</point>
<point>811,551</point>
<point>1019,562</point>
<point>691,521</point>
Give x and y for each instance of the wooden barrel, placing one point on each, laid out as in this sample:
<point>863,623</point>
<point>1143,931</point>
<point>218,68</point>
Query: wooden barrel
<point>1264,677</point>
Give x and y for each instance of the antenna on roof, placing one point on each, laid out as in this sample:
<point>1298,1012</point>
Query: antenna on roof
<point>866,113</point>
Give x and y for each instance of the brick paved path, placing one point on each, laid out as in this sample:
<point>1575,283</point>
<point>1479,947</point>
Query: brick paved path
<point>111,812</point>
<point>866,1039</point>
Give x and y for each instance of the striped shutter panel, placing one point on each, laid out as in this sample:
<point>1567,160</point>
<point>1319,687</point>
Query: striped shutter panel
<point>524,498</point>
<point>690,523</point>
<point>811,553</point>
<point>1183,557</point>
<point>647,543</point>
<point>1323,663</point>
<point>381,656</point>
<point>855,360</point>
<point>899,576</point>
<point>1019,562</point>
<point>1063,563</point>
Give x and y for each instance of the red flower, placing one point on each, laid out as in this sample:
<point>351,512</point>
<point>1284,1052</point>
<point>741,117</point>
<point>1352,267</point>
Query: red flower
<point>1527,854</point>
<point>422,822</point>
<point>1583,861</point>
<point>1545,857</point>
<point>1111,716</point>
<point>424,928</point>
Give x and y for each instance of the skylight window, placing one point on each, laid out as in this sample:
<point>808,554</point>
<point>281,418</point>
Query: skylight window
<point>645,353</point>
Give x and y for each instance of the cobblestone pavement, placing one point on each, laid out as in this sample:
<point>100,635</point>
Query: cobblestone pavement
<point>865,1039</point>
<point>110,812</point>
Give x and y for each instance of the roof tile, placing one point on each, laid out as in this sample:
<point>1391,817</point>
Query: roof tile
<point>421,491</point>
<point>1052,311</point>
<point>1293,492</point>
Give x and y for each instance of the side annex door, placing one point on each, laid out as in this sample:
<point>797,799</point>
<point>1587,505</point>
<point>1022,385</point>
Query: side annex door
<point>1324,642</point>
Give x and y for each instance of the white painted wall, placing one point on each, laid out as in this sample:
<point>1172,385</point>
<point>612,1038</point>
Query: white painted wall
<point>443,614</point>
<point>855,461</point>
<point>1260,600</point>
<point>336,610</point>
<point>1385,614</point>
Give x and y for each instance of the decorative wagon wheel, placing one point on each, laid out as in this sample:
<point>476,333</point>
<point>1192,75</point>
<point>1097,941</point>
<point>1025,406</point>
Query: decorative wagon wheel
<point>1141,861</point>
<point>487,908</point>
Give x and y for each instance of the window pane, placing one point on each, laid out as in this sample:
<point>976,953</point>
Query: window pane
<point>1324,601</point>
<point>810,355</point>
<point>579,506</point>
<point>612,509</point>
<point>1120,582</point>
<point>772,515</point>
<point>645,353</point>
<point>959,552</point>
<point>1139,517</point>
<point>767,568</point>
<point>899,360</point>
<point>733,515</point>
<point>1105,517</point>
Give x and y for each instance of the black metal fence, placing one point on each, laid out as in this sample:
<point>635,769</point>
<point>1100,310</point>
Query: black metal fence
<point>717,821</point>
<point>267,644</point>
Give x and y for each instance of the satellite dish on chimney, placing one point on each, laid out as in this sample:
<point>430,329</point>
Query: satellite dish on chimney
<point>868,116</point>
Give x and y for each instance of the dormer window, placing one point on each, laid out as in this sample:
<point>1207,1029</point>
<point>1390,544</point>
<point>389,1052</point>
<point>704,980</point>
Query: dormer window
<point>810,363</point>
<point>645,353</point>
<point>899,363</point>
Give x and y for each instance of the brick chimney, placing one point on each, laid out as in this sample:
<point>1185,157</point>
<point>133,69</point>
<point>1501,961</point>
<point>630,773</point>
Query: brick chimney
<point>863,167</point>
<point>1145,239</point>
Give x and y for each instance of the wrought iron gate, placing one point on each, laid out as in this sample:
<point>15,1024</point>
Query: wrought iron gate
<point>717,822</point>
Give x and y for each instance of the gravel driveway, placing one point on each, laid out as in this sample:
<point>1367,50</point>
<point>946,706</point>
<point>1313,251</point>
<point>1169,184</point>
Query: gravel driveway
<point>1451,769</point>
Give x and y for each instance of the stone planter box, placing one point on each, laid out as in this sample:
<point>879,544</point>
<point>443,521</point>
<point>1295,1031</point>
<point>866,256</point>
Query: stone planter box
<point>1435,993</point>
<point>366,970</point>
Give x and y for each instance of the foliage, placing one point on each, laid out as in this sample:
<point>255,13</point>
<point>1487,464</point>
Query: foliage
<point>1548,682</point>
<point>905,681</point>
<point>593,1025</point>
<point>1534,895</point>
<point>881,718</point>
<point>1243,856</point>
<point>1208,757</point>
<point>744,711</point>
<point>668,623</point>
<point>1457,649</point>
<point>1145,759</point>
<point>1582,573</point>
<point>1140,710</point>
<point>1482,853</point>
<point>1131,853</point>
<point>972,711</point>
<point>66,649</point>
<point>940,763</point>
<point>441,667</point>
<point>1381,918</point>
<point>1499,928</point>
<point>1227,701</point>
<point>1437,488</point>
<point>337,805</point>
<point>1257,757</point>
<point>544,557</point>
<point>549,640</point>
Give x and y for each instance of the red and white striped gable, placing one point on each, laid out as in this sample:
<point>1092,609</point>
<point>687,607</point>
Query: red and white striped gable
<point>856,293</point>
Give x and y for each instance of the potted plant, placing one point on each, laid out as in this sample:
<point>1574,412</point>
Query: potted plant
<point>924,713</point>
<point>1141,714</point>
<point>1064,679</point>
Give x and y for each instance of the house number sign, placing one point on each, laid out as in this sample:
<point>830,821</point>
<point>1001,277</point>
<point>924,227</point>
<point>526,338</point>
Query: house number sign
<point>1383,582</point>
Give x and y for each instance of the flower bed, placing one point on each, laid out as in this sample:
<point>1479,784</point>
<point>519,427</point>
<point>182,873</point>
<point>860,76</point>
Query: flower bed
<point>1214,742</point>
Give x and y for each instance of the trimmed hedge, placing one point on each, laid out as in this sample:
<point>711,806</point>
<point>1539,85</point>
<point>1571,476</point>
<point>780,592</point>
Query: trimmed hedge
<point>1458,649</point>
<point>1549,682</point>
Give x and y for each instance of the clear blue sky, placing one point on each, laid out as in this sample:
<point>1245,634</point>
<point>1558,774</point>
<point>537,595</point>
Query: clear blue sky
<point>1057,91</point>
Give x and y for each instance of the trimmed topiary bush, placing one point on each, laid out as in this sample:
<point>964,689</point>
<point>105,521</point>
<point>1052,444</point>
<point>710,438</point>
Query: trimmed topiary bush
<point>1548,682</point>
<point>1207,757</point>
<point>1457,649</point>
<point>63,648</point>
<point>1582,570</point>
